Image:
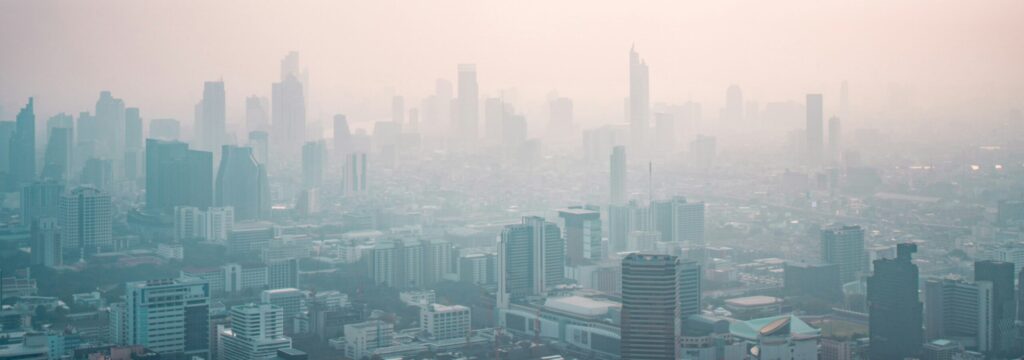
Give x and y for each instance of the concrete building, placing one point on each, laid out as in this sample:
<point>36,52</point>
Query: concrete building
<point>256,333</point>
<point>289,300</point>
<point>441,322</point>
<point>362,338</point>
<point>168,316</point>
<point>844,246</point>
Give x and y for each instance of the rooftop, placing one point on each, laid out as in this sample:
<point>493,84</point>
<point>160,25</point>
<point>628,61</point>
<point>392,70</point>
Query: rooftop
<point>580,305</point>
<point>759,300</point>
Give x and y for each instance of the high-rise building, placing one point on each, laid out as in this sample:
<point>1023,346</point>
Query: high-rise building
<point>40,199</point>
<point>844,246</point>
<point>110,123</point>
<point>894,310</point>
<point>678,220</point>
<point>164,129</point>
<point>214,224</point>
<point>85,221</point>
<point>658,292</point>
<point>639,102</point>
<point>289,300</point>
<point>957,309</point>
<point>7,129</point>
<point>22,154</point>
<point>1004,307</point>
<point>46,243</point>
<point>733,112</point>
<point>664,134</point>
<point>98,173</point>
<point>58,158</point>
<point>582,234</point>
<point>289,117</point>
<point>177,176</point>
<point>617,181</point>
<point>835,135</point>
<point>819,281</point>
<point>133,146</point>
<point>313,159</point>
<point>211,127</point>
<point>468,103</point>
<point>443,322</point>
<point>531,259</point>
<point>624,221</point>
<point>814,128</point>
<point>257,332</point>
<point>342,138</point>
<point>259,141</point>
<point>169,316</point>
<point>354,175</point>
<point>242,184</point>
<point>257,117</point>
<point>248,238</point>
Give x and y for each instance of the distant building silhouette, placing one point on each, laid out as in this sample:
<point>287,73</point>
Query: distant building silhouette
<point>894,310</point>
<point>468,111</point>
<point>1004,308</point>
<point>86,222</point>
<point>639,102</point>
<point>242,184</point>
<point>844,246</point>
<point>354,174</point>
<point>814,129</point>
<point>23,147</point>
<point>313,160</point>
<point>177,176</point>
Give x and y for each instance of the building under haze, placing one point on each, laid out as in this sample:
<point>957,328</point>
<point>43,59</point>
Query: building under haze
<point>86,217</point>
<point>40,199</point>
<point>313,160</point>
<point>639,102</point>
<point>242,184</point>
<point>815,129</point>
<point>531,259</point>
<point>583,240</point>
<point>23,147</point>
<point>46,243</point>
<point>177,176</point>
<point>288,117</point>
<point>168,316</point>
<point>658,292</point>
<point>468,104</point>
<point>617,179</point>
<point>1004,308</point>
<point>256,332</point>
<point>354,174</point>
<point>894,310</point>
<point>959,310</point>
<point>210,128</point>
<point>844,246</point>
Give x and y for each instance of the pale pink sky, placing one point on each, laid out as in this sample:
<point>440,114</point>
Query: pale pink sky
<point>156,54</point>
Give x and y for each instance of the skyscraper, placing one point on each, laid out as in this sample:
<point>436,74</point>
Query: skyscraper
<point>354,173</point>
<point>639,101</point>
<point>531,259</point>
<point>835,135</point>
<point>313,153</point>
<point>210,129</point>
<point>110,126</point>
<point>814,128</point>
<point>1004,307</point>
<point>468,103</point>
<point>617,180</point>
<point>957,309</point>
<point>132,143</point>
<point>895,324</point>
<point>7,129</point>
<point>678,220</point>
<point>289,117</point>
<point>259,141</point>
<point>257,118</point>
<point>177,176</point>
<point>40,199</point>
<point>658,292</point>
<point>342,139</point>
<point>169,316</point>
<point>23,147</point>
<point>85,221</point>
<point>257,332</point>
<point>242,184</point>
<point>46,244</point>
<point>844,246</point>
<point>582,234</point>
<point>57,160</point>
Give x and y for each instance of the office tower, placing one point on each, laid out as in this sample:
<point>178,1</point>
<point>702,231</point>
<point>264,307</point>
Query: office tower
<point>57,160</point>
<point>40,199</point>
<point>186,223</point>
<point>467,103</point>
<point>956,309</point>
<point>582,234</point>
<point>437,111</point>
<point>495,111</point>
<point>242,184</point>
<point>23,147</point>
<point>815,122</point>
<point>216,223</point>
<point>398,109</point>
<point>46,244</point>
<point>617,182</point>
<point>835,134</point>
<point>342,138</point>
<point>893,307</point>
<point>313,154</point>
<point>651,306</point>
<point>177,176</point>
<point>560,112</point>
<point>290,68</point>
<point>257,118</point>
<point>665,133</point>
<point>844,246</point>
<point>210,130</point>
<point>289,300</point>
<point>7,129</point>
<point>132,143</point>
<point>257,332</point>
<point>249,238</point>
<point>354,174</point>
<point>259,141</point>
<point>818,281</point>
<point>480,269</point>
<point>110,125</point>
<point>362,338</point>
<point>99,173</point>
<point>85,221</point>
<point>169,316</point>
<point>164,129</point>
<point>624,221</point>
<point>733,112</point>
<point>639,101</point>
<point>443,322</point>
<point>531,259</point>
<point>288,117</point>
<point>1004,307</point>
<point>678,220</point>
<point>62,120</point>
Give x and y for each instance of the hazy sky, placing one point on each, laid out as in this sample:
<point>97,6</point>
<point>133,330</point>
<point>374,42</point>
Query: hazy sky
<point>156,54</point>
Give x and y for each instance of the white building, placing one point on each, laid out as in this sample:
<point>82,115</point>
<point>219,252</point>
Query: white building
<point>160,313</point>
<point>214,224</point>
<point>362,338</point>
<point>171,251</point>
<point>443,322</point>
<point>289,300</point>
<point>256,333</point>
<point>86,220</point>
